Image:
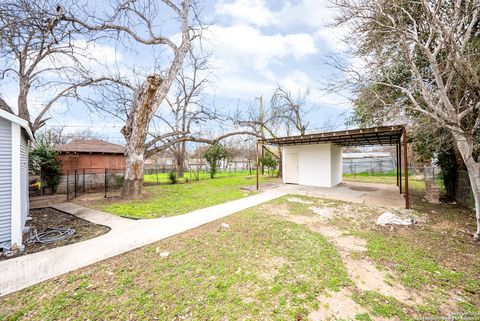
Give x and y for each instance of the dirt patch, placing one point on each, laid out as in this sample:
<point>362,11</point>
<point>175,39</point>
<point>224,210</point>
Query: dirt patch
<point>368,277</point>
<point>343,242</point>
<point>282,210</point>
<point>337,306</point>
<point>271,266</point>
<point>299,200</point>
<point>43,218</point>
<point>365,275</point>
<point>322,212</point>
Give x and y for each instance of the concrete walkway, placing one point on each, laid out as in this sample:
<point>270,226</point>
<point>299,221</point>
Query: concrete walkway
<point>125,235</point>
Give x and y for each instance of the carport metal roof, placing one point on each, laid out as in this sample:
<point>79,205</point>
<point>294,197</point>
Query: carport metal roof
<point>386,135</point>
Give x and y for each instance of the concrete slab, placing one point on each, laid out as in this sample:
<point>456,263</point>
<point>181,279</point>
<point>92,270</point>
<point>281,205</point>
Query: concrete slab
<point>125,235</point>
<point>385,195</point>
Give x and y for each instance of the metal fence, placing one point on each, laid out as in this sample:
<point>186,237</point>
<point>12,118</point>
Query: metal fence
<point>109,182</point>
<point>78,182</point>
<point>368,165</point>
<point>160,175</point>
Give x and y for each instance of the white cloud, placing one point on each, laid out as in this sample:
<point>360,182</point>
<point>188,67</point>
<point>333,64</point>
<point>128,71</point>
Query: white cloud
<point>246,61</point>
<point>99,54</point>
<point>243,46</point>
<point>244,88</point>
<point>313,14</point>
<point>296,81</point>
<point>253,12</point>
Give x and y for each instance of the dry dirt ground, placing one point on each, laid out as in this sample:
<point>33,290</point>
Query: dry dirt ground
<point>337,221</point>
<point>44,218</point>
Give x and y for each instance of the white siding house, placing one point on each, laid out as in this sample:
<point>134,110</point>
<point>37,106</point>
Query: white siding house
<point>313,165</point>
<point>14,137</point>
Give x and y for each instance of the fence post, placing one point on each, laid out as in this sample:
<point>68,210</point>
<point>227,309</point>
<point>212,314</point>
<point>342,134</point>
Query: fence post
<point>106,183</point>
<point>75,188</point>
<point>67,185</point>
<point>156,173</point>
<point>83,181</point>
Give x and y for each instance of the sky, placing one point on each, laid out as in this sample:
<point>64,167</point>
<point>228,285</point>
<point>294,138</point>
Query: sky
<point>256,45</point>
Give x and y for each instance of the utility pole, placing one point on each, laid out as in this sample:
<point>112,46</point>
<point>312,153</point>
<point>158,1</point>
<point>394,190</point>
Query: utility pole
<point>262,129</point>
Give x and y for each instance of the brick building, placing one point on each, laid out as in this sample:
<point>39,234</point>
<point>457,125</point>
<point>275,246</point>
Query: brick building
<point>92,155</point>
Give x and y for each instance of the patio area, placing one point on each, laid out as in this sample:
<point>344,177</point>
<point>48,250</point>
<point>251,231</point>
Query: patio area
<point>386,195</point>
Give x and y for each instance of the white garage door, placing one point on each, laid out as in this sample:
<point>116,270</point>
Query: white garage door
<point>291,165</point>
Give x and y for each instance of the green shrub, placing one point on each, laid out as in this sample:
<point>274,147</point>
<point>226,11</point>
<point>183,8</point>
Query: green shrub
<point>172,177</point>
<point>119,180</point>
<point>43,162</point>
<point>270,162</point>
<point>213,155</point>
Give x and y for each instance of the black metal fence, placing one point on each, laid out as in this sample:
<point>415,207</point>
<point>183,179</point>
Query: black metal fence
<point>79,182</point>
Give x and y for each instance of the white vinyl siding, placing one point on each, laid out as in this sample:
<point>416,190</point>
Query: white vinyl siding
<point>5,179</point>
<point>24,177</point>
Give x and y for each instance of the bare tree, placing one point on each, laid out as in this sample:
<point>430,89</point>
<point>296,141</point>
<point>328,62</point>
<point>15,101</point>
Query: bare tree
<point>291,109</point>
<point>187,108</point>
<point>138,21</point>
<point>426,55</point>
<point>59,135</point>
<point>38,52</point>
<point>286,115</point>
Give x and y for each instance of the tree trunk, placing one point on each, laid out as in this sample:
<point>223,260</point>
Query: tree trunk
<point>22,102</point>
<point>465,148</point>
<point>180,160</point>
<point>135,133</point>
<point>132,186</point>
<point>180,166</point>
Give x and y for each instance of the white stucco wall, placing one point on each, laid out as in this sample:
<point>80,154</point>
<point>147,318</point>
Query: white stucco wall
<point>318,165</point>
<point>336,163</point>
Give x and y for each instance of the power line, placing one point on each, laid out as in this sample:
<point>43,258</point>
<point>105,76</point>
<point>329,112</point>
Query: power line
<point>85,126</point>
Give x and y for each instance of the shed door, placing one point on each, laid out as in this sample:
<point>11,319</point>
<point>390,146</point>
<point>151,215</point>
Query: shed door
<point>291,165</point>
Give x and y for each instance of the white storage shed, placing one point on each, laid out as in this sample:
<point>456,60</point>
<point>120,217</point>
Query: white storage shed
<point>313,165</point>
<point>15,135</point>
<point>316,159</point>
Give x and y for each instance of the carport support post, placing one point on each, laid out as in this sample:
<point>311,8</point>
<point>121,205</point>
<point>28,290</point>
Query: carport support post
<point>405,151</point>
<point>396,156</point>
<point>257,165</point>
<point>263,155</point>
<point>400,165</point>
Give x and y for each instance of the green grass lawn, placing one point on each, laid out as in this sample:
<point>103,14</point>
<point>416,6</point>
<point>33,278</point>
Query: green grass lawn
<point>273,263</point>
<point>175,199</point>
<point>367,177</point>
<point>261,268</point>
<point>191,176</point>
<point>388,178</point>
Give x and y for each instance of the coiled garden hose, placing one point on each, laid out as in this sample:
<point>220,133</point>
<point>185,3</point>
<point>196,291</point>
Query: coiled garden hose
<point>51,235</point>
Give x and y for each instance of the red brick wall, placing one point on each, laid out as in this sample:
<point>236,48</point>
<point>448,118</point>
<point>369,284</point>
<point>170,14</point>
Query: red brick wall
<point>91,162</point>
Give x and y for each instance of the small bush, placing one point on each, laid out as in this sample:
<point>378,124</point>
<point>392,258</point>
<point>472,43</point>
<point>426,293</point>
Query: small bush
<point>172,177</point>
<point>119,179</point>
<point>270,162</point>
<point>43,162</point>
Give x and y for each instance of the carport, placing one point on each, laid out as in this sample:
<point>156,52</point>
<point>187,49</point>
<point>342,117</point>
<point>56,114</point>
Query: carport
<point>316,159</point>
